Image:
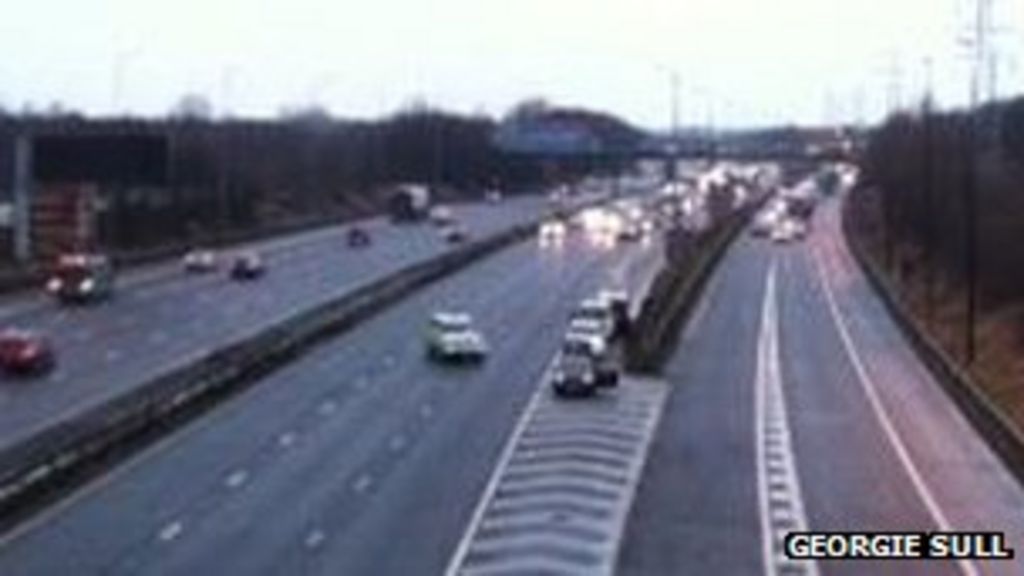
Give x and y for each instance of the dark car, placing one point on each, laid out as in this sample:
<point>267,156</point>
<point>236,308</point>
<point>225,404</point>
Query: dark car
<point>79,278</point>
<point>357,237</point>
<point>23,352</point>
<point>575,372</point>
<point>248,266</point>
<point>455,234</point>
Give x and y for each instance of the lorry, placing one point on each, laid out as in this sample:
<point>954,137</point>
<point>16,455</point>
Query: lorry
<point>409,203</point>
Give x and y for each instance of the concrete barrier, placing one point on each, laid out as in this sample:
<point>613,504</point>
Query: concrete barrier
<point>1001,433</point>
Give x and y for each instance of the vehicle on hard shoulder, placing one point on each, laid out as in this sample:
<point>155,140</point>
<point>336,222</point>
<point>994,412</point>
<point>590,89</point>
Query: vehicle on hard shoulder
<point>601,354</point>
<point>597,316</point>
<point>582,367</point>
<point>618,302</point>
<point>80,278</point>
<point>574,375</point>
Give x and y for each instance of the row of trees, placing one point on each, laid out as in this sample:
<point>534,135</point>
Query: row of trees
<point>924,171</point>
<point>227,175</point>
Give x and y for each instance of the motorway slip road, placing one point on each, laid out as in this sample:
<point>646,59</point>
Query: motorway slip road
<point>360,457</point>
<point>161,318</point>
<point>798,404</point>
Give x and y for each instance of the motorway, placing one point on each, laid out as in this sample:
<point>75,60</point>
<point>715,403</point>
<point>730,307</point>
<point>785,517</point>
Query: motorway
<point>797,404</point>
<point>793,403</point>
<point>358,458</point>
<point>160,317</point>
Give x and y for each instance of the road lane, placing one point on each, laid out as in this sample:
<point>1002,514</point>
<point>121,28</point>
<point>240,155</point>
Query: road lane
<point>329,463</point>
<point>151,327</point>
<point>956,476</point>
<point>853,480</point>
<point>696,509</point>
<point>875,443</point>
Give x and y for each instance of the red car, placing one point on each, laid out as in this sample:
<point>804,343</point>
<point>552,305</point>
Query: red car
<point>23,352</point>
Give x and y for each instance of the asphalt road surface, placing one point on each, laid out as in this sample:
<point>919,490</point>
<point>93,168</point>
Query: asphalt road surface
<point>359,458</point>
<point>161,317</point>
<point>797,404</point>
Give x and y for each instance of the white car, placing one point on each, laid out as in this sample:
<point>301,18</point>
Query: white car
<point>606,367</point>
<point>764,223</point>
<point>552,231</point>
<point>583,365</point>
<point>595,316</point>
<point>199,261</point>
<point>442,216</point>
<point>788,230</point>
<point>451,337</point>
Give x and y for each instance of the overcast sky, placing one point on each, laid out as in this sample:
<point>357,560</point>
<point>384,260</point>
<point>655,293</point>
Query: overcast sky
<point>739,61</point>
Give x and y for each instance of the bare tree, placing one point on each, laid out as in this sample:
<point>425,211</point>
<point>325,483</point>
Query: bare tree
<point>305,114</point>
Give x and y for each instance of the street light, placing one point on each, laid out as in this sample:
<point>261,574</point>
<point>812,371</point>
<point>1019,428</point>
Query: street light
<point>970,247</point>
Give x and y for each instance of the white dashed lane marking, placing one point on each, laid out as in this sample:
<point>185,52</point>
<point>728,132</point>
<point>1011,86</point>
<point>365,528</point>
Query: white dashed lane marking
<point>314,539</point>
<point>171,532</point>
<point>286,439</point>
<point>363,483</point>
<point>236,479</point>
<point>396,443</point>
<point>328,407</point>
<point>558,500</point>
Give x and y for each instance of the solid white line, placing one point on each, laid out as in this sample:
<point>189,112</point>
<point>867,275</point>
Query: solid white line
<point>492,483</point>
<point>966,566</point>
<point>634,475</point>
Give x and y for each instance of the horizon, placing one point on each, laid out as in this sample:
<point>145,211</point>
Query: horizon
<point>801,62</point>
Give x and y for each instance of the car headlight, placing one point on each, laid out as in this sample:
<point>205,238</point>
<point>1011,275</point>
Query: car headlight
<point>87,285</point>
<point>54,284</point>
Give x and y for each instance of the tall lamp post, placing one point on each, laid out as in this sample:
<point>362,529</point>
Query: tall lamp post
<point>970,247</point>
